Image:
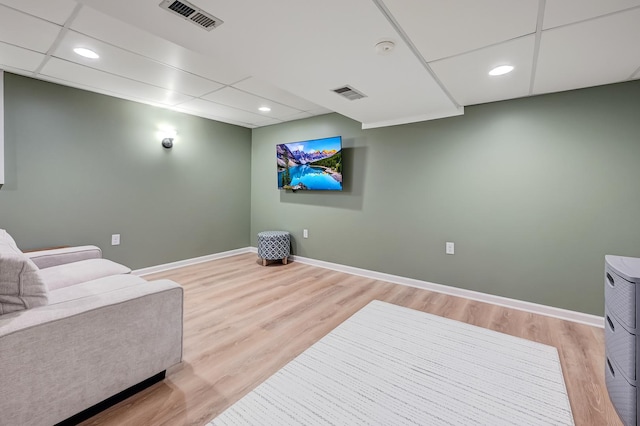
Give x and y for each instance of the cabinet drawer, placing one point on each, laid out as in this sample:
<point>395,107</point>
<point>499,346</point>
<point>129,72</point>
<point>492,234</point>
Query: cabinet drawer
<point>621,346</point>
<point>620,297</point>
<point>621,393</point>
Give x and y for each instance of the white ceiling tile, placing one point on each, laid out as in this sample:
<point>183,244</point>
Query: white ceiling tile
<point>389,95</point>
<point>270,92</point>
<point>320,111</point>
<point>103,27</point>
<point>278,42</point>
<point>267,122</point>
<point>312,64</point>
<point>562,12</point>
<point>204,114</point>
<point>133,66</point>
<point>26,31</point>
<point>56,11</point>
<point>209,116</point>
<point>17,57</point>
<point>590,53</point>
<point>222,111</point>
<point>467,76</point>
<point>220,45</point>
<point>241,100</point>
<point>298,116</point>
<point>440,29</point>
<point>89,77</point>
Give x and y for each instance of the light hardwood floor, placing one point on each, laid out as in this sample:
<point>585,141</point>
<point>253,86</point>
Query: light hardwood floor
<point>243,322</point>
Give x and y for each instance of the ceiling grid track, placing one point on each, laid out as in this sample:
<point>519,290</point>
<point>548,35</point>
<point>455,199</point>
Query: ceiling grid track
<point>405,37</point>
<point>231,86</point>
<point>268,100</point>
<point>178,105</point>
<point>536,48</point>
<point>595,18</point>
<point>205,94</point>
<point>58,40</point>
<point>201,97</point>
<point>127,78</point>
<point>481,48</point>
<point>239,81</point>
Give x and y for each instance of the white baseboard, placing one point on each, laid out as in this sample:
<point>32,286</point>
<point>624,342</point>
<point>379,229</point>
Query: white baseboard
<point>550,311</point>
<point>192,261</point>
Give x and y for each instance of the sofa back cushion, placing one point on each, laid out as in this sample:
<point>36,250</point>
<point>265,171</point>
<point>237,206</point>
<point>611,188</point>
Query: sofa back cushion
<point>20,284</point>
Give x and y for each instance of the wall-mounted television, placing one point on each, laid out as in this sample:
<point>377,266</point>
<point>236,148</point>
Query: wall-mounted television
<point>314,165</point>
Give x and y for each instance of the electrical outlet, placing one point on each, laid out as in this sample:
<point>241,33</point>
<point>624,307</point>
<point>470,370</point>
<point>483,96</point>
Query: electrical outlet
<point>115,240</point>
<point>305,233</point>
<point>449,248</point>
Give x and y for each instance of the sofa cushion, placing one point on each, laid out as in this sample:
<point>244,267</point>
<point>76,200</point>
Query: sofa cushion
<point>21,287</point>
<point>93,288</point>
<point>61,276</point>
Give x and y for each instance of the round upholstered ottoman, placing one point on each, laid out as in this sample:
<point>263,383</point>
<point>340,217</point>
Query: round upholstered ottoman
<point>273,245</point>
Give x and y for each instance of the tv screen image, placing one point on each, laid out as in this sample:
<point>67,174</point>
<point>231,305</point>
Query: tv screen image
<point>314,165</point>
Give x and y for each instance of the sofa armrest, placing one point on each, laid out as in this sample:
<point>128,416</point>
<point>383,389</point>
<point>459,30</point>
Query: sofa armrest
<point>47,258</point>
<point>60,359</point>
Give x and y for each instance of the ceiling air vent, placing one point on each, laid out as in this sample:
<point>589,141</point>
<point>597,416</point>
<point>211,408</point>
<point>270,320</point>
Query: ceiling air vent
<point>349,93</point>
<point>192,13</point>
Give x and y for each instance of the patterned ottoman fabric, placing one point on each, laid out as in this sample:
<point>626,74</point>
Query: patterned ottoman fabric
<point>273,245</point>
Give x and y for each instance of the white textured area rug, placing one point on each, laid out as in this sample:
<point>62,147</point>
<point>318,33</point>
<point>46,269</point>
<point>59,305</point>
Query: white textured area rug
<point>390,365</point>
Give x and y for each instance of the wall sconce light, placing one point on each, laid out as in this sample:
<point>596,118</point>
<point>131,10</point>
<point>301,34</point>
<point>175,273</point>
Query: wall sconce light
<point>167,136</point>
<point>167,143</point>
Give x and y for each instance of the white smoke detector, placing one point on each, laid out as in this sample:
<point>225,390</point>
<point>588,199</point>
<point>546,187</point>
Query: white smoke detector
<point>385,47</point>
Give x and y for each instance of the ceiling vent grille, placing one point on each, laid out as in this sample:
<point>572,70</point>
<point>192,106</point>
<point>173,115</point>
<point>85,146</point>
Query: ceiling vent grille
<point>349,93</point>
<point>192,13</point>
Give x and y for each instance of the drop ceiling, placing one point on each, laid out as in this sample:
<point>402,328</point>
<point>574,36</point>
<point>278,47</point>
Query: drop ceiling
<point>290,55</point>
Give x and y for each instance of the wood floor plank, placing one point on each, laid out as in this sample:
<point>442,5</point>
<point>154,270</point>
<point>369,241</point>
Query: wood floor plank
<point>243,322</point>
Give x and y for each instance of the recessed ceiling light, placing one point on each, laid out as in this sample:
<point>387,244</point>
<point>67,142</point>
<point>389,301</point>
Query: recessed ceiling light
<point>86,53</point>
<point>264,109</point>
<point>501,70</point>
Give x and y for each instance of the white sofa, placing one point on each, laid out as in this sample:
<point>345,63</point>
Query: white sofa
<point>76,329</point>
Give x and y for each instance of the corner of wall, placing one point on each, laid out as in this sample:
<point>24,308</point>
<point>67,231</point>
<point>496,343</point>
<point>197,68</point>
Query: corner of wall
<point>1,128</point>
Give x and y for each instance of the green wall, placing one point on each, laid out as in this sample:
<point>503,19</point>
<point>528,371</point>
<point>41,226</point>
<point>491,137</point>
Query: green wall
<point>81,166</point>
<point>534,192</point>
